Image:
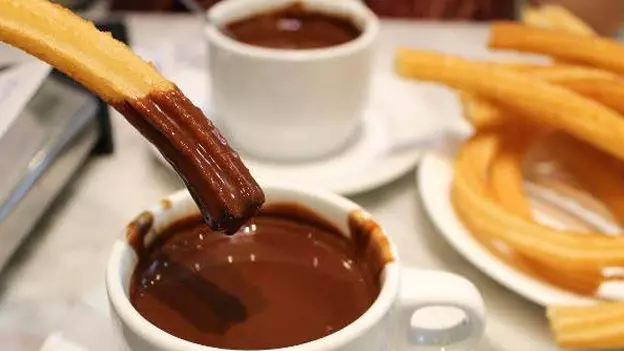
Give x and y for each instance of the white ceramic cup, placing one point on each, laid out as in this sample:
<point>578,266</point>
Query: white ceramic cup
<point>385,326</point>
<point>289,104</point>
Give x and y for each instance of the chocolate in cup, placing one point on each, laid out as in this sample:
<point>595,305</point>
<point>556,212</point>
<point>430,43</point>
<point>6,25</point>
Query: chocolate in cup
<point>374,330</point>
<point>240,292</point>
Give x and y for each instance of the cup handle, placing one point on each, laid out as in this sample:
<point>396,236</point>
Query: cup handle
<point>421,289</point>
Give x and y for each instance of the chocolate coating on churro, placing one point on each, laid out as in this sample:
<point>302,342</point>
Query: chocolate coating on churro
<point>219,182</point>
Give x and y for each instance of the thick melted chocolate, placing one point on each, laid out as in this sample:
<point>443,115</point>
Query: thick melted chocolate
<point>286,278</point>
<point>293,27</point>
<point>213,172</point>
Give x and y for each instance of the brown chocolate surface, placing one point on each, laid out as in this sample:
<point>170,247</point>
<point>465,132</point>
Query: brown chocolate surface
<point>371,243</point>
<point>216,177</point>
<point>286,278</point>
<point>294,27</point>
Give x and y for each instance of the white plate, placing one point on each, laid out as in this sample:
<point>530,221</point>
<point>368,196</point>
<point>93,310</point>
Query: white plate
<point>434,178</point>
<point>365,164</point>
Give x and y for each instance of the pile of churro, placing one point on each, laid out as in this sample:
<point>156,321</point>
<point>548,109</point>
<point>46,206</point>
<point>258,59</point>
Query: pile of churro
<point>214,173</point>
<point>574,109</point>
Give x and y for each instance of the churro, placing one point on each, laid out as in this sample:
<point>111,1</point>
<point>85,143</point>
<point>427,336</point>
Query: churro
<point>217,179</point>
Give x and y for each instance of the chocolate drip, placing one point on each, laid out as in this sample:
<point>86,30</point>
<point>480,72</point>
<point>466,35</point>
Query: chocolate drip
<point>294,27</point>
<point>217,179</point>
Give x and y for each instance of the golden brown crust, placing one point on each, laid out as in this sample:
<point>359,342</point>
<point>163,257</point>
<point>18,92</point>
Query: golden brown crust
<point>583,253</point>
<point>584,327</point>
<point>76,47</point>
<point>526,97</point>
<point>556,17</point>
<point>590,50</point>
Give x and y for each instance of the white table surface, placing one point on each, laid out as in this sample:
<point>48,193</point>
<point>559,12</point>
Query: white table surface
<point>56,281</point>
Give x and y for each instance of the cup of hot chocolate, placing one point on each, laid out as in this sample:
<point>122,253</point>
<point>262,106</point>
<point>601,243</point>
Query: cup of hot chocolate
<point>311,272</point>
<point>290,78</point>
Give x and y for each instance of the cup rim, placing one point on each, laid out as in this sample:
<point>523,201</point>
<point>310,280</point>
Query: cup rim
<point>131,318</point>
<point>354,8</point>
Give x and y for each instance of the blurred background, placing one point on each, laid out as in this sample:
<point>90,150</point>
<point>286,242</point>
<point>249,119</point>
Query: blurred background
<point>606,16</point>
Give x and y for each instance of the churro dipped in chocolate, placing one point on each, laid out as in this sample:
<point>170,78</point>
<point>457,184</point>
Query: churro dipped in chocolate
<point>216,177</point>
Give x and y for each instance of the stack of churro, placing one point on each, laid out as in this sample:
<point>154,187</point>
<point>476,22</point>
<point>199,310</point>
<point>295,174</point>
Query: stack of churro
<point>574,109</point>
<point>214,173</point>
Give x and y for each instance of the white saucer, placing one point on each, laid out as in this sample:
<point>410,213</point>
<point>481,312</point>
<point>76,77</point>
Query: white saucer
<point>398,117</point>
<point>434,178</point>
<point>365,164</point>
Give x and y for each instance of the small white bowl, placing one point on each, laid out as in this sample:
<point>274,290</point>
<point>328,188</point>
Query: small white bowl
<point>289,104</point>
